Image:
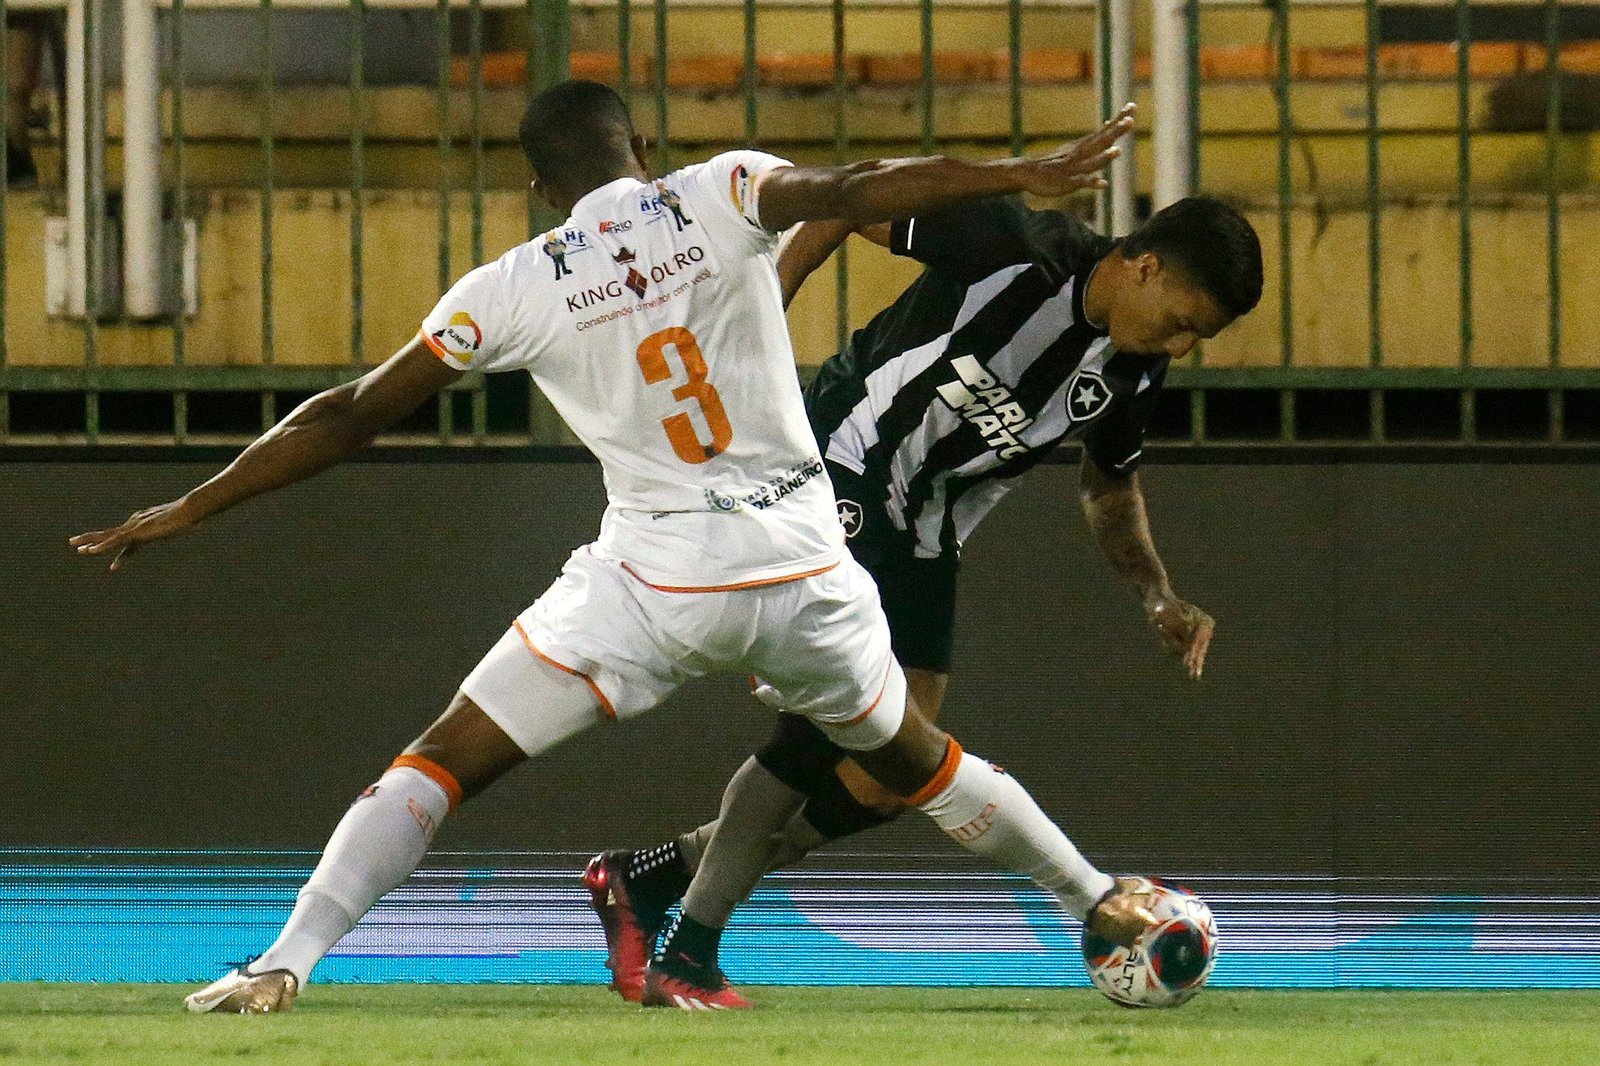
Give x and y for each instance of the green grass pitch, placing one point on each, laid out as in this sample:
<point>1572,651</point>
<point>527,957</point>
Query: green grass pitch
<point>339,1025</point>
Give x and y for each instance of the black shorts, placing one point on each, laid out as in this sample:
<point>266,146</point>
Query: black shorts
<point>918,595</point>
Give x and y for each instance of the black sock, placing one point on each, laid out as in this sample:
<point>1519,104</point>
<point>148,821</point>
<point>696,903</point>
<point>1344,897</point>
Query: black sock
<point>834,812</point>
<point>659,873</point>
<point>688,941</point>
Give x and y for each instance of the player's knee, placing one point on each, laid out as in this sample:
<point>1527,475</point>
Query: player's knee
<point>800,755</point>
<point>911,759</point>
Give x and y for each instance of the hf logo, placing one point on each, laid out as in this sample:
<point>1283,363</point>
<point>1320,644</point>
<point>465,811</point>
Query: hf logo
<point>1087,396</point>
<point>851,516</point>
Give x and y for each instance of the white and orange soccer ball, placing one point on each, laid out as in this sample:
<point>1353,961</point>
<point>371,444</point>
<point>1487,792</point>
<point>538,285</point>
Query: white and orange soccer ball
<point>1168,964</point>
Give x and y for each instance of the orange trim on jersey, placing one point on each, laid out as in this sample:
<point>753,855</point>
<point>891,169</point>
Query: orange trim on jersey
<point>434,346</point>
<point>941,779</point>
<point>433,772</point>
<point>763,582</point>
<point>605,704</point>
<point>862,717</point>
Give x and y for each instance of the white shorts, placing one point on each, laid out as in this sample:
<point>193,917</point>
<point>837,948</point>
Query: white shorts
<point>816,646</point>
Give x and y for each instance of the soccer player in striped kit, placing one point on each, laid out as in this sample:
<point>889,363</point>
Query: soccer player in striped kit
<point>1026,329</point>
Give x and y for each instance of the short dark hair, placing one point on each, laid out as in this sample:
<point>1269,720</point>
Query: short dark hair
<point>1210,244</point>
<point>577,132</point>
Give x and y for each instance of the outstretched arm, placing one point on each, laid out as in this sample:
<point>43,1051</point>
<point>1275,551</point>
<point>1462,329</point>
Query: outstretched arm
<point>1116,513</point>
<point>807,246</point>
<point>804,249</point>
<point>320,432</point>
<point>882,189</point>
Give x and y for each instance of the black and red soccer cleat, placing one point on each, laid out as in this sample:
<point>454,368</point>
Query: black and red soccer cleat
<point>681,982</point>
<point>631,929</point>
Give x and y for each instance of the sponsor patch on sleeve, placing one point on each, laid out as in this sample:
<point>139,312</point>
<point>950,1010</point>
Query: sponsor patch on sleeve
<point>741,188</point>
<point>460,338</point>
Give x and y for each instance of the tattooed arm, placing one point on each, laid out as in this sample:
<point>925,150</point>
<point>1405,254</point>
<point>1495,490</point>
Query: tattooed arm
<point>1116,513</point>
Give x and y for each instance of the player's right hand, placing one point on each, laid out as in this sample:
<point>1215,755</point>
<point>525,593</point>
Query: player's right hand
<point>153,523</point>
<point>1077,165</point>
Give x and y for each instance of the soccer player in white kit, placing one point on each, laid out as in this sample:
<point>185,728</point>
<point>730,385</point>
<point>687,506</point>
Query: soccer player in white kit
<point>653,320</point>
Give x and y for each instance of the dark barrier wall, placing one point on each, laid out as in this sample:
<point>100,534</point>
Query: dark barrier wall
<point>1406,679</point>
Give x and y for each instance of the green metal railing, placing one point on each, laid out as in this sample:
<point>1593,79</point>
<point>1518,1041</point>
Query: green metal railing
<point>1272,403</point>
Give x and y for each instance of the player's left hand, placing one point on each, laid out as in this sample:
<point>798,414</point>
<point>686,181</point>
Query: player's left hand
<point>1184,629</point>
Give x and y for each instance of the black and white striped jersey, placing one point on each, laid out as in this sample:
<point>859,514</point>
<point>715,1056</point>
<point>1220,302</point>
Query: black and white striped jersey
<point>981,367</point>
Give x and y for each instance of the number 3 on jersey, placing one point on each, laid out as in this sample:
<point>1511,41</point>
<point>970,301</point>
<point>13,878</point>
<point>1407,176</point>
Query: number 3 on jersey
<point>680,430</point>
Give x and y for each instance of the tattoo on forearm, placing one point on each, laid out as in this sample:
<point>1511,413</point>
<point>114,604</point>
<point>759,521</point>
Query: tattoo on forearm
<point>1122,527</point>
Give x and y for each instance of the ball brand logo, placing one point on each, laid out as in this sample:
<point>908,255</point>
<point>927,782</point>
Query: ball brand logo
<point>461,337</point>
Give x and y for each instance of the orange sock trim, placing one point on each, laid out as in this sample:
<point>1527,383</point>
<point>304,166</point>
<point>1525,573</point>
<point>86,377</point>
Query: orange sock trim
<point>433,772</point>
<point>942,778</point>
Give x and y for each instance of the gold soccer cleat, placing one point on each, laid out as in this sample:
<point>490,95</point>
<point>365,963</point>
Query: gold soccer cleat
<point>1124,914</point>
<point>239,992</point>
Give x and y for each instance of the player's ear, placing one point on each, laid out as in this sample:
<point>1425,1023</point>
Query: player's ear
<point>1146,267</point>
<point>543,191</point>
<point>641,151</point>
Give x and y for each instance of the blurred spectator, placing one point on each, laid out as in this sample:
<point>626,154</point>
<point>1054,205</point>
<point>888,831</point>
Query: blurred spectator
<point>26,35</point>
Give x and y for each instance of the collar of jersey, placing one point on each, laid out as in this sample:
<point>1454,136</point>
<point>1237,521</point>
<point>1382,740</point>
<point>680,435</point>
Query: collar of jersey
<point>1080,292</point>
<point>590,204</point>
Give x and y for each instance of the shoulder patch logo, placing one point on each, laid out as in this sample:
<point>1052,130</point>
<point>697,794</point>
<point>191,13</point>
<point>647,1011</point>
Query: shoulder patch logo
<point>461,337</point>
<point>740,188</point>
<point>674,203</point>
<point>1087,396</point>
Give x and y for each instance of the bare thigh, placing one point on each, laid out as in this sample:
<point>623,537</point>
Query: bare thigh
<point>466,742</point>
<point>926,689</point>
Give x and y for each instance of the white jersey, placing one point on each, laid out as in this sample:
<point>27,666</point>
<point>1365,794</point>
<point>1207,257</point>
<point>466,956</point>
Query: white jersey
<point>653,320</point>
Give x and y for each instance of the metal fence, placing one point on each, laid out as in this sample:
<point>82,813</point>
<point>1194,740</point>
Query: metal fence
<point>96,392</point>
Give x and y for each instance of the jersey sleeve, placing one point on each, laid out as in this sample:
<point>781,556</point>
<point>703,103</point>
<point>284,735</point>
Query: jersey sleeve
<point>724,195</point>
<point>1116,442</point>
<point>470,327</point>
<point>972,240</point>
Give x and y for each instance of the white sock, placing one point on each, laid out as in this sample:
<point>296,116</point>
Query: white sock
<point>987,812</point>
<point>378,843</point>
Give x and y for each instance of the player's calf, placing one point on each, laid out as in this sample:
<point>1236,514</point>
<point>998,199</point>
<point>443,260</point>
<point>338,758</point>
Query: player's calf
<point>987,812</point>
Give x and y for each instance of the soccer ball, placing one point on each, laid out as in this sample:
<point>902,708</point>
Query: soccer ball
<point>1168,964</point>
